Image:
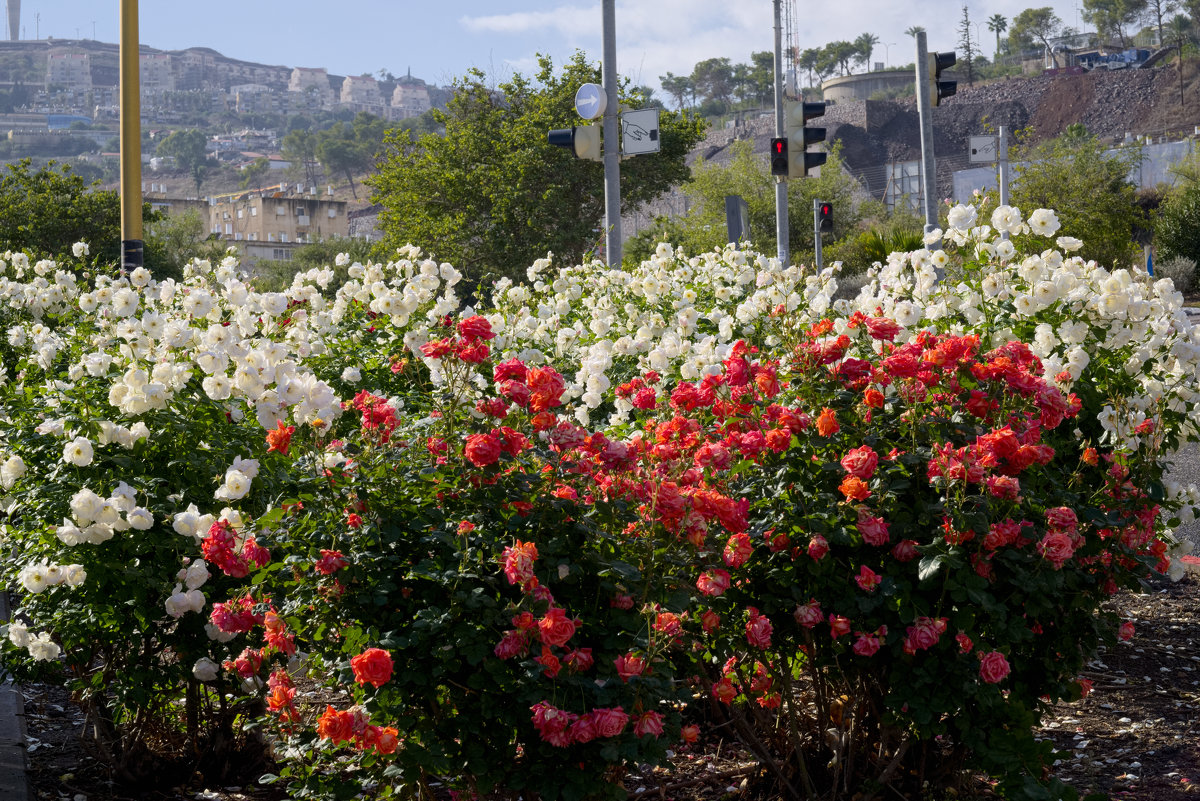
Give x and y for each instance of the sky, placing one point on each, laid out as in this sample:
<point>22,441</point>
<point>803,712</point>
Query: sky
<point>441,40</point>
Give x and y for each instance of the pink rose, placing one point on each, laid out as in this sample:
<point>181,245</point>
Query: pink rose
<point>866,644</point>
<point>905,550</point>
<point>609,722</point>
<point>867,579</point>
<point>874,530</point>
<point>861,462</point>
<point>738,550</point>
<point>583,730</point>
<point>838,626</point>
<point>649,723</point>
<point>993,667</point>
<point>1125,631</point>
<point>818,547</point>
<point>1061,518</point>
<point>629,665</point>
<point>924,633</point>
<point>758,630</point>
<point>809,615</point>
<point>1056,548</point>
<point>714,582</point>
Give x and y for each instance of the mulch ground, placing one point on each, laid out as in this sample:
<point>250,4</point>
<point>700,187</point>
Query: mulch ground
<point>1135,738</point>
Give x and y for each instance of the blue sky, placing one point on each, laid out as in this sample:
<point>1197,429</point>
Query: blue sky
<point>440,40</point>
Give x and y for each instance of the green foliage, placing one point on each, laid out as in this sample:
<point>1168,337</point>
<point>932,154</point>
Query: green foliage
<point>1090,190</point>
<point>748,175</point>
<point>44,211</point>
<point>276,276</point>
<point>176,239</point>
<point>252,175</point>
<point>491,195</point>
<point>189,149</point>
<point>1177,229</point>
<point>347,148</point>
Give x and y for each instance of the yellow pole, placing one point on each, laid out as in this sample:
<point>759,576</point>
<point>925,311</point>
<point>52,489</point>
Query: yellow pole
<point>131,139</point>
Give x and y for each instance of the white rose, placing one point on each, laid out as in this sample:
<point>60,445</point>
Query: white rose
<point>86,506</point>
<point>42,649</point>
<point>13,469</point>
<point>351,375</point>
<point>79,249</point>
<point>18,634</point>
<point>196,574</point>
<point>205,669</point>
<point>140,519</point>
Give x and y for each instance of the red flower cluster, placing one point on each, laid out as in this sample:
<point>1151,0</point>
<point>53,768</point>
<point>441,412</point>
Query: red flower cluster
<point>561,728</point>
<point>354,726</point>
<point>221,549</point>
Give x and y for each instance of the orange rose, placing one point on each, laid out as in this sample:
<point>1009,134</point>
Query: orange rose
<point>827,423</point>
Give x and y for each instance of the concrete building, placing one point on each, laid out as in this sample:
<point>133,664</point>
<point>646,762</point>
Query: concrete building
<point>69,70</point>
<point>156,74</point>
<point>311,83</point>
<point>361,93</point>
<point>409,100</point>
<point>14,20</point>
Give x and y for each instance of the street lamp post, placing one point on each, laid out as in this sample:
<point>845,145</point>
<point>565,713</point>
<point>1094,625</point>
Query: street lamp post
<point>887,55</point>
<point>131,139</point>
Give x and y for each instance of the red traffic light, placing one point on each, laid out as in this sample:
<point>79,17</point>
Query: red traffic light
<point>779,156</point>
<point>825,217</point>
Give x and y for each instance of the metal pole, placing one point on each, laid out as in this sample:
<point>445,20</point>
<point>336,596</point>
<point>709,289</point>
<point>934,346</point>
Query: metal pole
<point>131,140</point>
<point>928,166</point>
<point>1002,157</point>
<point>781,187</point>
<point>818,257</point>
<point>612,142</point>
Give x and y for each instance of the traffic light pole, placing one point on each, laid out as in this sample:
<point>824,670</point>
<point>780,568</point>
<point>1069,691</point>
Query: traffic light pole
<point>925,111</point>
<point>612,142</point>
<point>781,187</point>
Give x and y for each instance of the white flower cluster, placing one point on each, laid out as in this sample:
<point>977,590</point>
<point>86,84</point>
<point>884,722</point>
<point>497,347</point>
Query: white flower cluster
<point>182,601</point>
<point>95,520</point>
<point>41,648</point>
<point>237,479</point>
<point>39,576</point>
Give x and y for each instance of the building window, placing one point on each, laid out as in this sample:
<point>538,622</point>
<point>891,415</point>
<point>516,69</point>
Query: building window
<point>283,237</point>
<point>279,254</point>
<point>254,211</point>
<point>332,213</point>
<point>228,229</point>
<point>239,214</point>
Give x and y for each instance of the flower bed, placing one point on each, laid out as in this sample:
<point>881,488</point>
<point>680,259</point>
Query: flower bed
<point>603,514</point>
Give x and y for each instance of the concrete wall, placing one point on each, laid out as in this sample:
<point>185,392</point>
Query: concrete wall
<point>849,88</point>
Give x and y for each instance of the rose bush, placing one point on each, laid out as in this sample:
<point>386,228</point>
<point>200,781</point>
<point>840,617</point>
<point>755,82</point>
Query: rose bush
<point>524,545</point>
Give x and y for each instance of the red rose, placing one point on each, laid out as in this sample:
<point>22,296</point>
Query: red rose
<point>738,550</point>
<point>474,328</point>
<point>1056,548</point>
<point>993,667</point>
<point>758,630</point>
<point>373,666</point>
<point>866,644</point>
<point>482,450</point>
<point>808,615</point>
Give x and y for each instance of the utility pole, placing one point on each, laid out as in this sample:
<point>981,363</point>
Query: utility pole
<point>612,142</point>
<point>781,196</point>
<point>131,140</point>
<point>925,111</point>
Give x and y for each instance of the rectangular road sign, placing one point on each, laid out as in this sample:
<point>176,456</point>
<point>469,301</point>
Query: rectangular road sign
<point>981,149</point>
<point>639,132</point>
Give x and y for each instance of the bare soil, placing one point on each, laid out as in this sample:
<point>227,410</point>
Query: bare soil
<point>1135,738</point>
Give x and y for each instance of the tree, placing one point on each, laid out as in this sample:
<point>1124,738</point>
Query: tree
<point>491,196</point>
<point>1159,10</point>
<point>253,173</point>
<point>866,43</point>
<point>1112,17</point>
<point>748,175</point>
<point>176,239</point>
<point>678,87</point>
<point>189,149</point>
<point>810,60</point>
<point>840,54</point>
<point>914,30</point>
<point>1090,190</point>
<point>762,75</point>
<point>713,79</point>
<point>997,24</point>
<point>966,45</point>
<point>348,148</point>
<point>299,147</point>
<point>44,211</point>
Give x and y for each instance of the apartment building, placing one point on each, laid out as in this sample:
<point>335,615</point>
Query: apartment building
<point>409,100</point>
<point>69,70</point>
<point>361,93</point>
<point>313,83</point>
<point>156,73</point>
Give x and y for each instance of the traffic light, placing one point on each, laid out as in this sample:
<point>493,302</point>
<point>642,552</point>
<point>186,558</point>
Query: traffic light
<point>939,88</point>
<point>799,137</point>
<point>779,156</point>
<point>825,217</point>
<point>582,140</point>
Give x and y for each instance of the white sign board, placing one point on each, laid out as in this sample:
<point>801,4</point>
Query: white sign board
<point>981,149</point>
<point>639,132</point>
<point>590,101</point>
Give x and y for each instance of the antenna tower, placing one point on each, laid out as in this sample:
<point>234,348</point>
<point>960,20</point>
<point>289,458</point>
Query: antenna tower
<point>791,49</point>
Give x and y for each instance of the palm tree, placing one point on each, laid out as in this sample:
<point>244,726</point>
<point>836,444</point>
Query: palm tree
<point>997,24</point>
<point>866,46</point>
<point>914,30</point>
